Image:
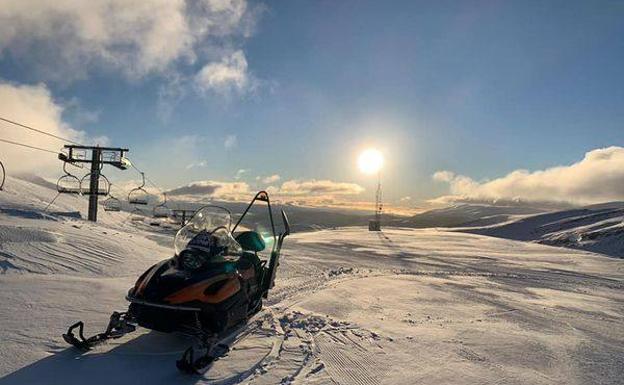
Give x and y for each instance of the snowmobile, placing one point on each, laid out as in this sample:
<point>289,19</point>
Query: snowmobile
<point>210,288</point>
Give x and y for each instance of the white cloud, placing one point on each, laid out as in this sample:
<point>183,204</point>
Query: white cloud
<point>270,179</point>
<point>227,76</point>
<point>405,199</point>
<point>230,142</point>
<point>199,164</point>
<point>598,177</point>
<point>64,40</point>
<point>212,189</point>
<point>240,173</point>
<point>313,192</point>
<point>319,188</point>
<point>443,176</point>
<point>35,107</point>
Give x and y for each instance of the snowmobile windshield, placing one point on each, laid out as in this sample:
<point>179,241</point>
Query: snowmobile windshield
<point>208,231</point>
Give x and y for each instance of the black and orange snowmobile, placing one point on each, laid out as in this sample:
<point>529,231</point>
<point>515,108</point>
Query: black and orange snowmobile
<point>211,287</point>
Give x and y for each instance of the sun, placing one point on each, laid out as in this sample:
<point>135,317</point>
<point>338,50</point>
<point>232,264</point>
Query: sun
<point>370,161</point>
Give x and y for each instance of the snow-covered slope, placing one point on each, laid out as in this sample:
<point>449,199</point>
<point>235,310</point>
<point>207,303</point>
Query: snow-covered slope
<point>349,307</point>
<point>468,214</point>
<point>597,228</point>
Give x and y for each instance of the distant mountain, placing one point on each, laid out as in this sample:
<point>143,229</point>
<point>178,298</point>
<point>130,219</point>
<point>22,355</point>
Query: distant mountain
<point>468,215</point>
<point>598,228</point>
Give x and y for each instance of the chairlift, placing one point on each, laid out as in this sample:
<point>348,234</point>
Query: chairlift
<point>111,203</point>
<point>68,183</point>
<point>161,210</point>
<point>2,175</point>
<point>137,215</point>
<point>138,196</point>
<point>103,187</point>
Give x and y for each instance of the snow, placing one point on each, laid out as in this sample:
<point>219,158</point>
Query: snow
<point>417,306</point>
<point>597,228</point>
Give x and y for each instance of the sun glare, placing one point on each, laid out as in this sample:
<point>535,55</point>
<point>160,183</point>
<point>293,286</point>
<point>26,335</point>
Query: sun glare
<point>370,161</point>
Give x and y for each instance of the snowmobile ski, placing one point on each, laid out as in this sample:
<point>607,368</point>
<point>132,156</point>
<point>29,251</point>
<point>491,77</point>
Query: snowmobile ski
<point>214,349</point>
<point>118,326</point>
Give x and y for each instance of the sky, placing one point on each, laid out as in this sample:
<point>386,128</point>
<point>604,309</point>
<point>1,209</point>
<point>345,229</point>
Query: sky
<point>478,100</point>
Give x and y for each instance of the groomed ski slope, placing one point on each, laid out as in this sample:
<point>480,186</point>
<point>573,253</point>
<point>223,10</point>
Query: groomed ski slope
<point>349,307</point>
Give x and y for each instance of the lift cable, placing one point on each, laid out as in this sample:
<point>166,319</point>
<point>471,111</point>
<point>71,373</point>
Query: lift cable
<point>39,131</point>
<point>28,146</point>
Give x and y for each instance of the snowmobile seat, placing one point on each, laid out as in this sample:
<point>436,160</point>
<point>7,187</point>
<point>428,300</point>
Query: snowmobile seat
<point>250,241</point>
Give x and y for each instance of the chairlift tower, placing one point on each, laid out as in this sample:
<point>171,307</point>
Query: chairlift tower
<point>100,156</point>
<point>183,214</point>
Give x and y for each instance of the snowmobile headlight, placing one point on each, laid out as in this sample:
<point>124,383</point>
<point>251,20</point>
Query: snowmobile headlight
<point>191,261</point>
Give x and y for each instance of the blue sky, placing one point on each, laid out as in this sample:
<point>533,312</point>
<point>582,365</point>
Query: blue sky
<point>478,88</point>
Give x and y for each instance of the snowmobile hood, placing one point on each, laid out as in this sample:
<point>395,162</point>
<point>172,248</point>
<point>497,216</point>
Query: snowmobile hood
<point>165,283</point>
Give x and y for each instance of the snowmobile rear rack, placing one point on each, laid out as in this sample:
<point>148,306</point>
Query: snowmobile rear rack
<point>269,278</point>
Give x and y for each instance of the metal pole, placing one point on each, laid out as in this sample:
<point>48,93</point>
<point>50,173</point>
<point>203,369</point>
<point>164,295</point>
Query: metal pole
<point>94,183</point>
<point>378,199</point>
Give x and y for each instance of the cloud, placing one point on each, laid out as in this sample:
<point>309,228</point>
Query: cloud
<point>35,107</point>
<point>405,199</point>
<point>312,192</point>
<point>240,173</point>
<point>212,189</point>
<point>270,179</point>
<point>230,142</point>
<point>598,177</point>
<point>315,187</point>
<point>199,164</point>
<point>64,40</point>
<point>227,76</point>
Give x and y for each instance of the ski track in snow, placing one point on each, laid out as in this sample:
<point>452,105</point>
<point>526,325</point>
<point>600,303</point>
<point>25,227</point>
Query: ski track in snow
<point>349,307</point>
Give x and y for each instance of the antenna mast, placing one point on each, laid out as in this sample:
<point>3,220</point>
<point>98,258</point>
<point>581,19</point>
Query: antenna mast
<point>375,224</point>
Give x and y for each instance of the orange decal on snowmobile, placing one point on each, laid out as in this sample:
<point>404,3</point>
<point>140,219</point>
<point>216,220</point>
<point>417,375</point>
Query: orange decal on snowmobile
<point>196,292</point>
<point>231,287</point>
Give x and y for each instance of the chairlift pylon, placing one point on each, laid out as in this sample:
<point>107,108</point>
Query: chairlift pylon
<point>138,195</point>
<point>161,210</point>
<point>2,175</point>
<point>68,183</point>
<point>103,187</point>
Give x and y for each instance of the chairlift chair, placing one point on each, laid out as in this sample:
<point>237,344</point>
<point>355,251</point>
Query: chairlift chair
<point>68,183</point>
<point>2,175</point>
<point>137,215</point>
<point>161,210</point>
<point>138,196</point>
<point>103,187</point>
<point>111,203</point>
